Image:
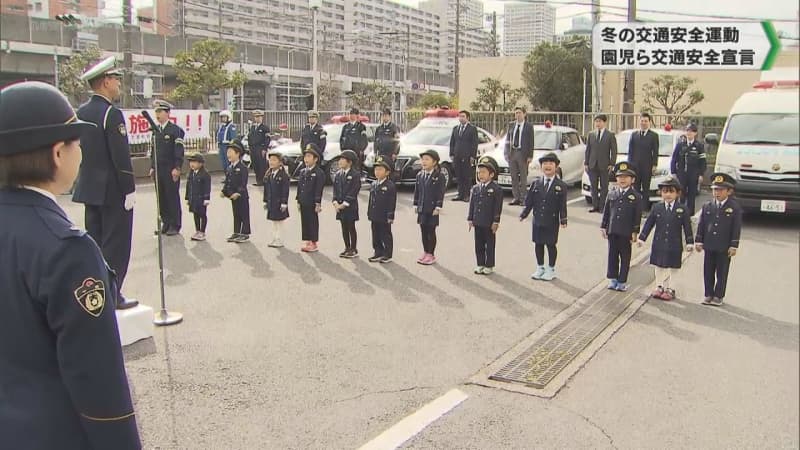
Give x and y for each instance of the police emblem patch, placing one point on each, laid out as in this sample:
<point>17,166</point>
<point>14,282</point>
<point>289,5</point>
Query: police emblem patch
<point>632,197</point>
<point>122,130</point>
<point>558,188</point>
<point>383,188</point>
<point>678,210</point>
<point>91,295</point>
<point>491,190</point>
<point>728,210</point>
<point>623,166</point>
<point>349,177</point>
<point>719,179</point>
<point>166,137</point>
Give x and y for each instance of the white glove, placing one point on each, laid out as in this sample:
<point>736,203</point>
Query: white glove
<point>130,200</point>
<point>206,202</point>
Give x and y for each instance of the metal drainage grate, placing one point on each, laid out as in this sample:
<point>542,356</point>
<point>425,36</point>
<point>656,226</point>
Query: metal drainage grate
<point>545,358</point>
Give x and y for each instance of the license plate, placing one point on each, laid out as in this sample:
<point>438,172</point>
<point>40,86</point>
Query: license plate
<point>504,179</point>
<point>778,206</point>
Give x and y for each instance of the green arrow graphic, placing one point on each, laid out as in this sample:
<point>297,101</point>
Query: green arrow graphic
<point>774,42</point>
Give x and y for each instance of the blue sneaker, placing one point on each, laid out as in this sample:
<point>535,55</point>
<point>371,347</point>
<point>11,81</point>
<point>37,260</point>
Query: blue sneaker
<point>622,287</point>
<point>612,285</point>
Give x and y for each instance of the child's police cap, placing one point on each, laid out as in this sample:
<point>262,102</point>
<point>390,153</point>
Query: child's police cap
<point>489,163</point>
<point>380,161</point>
<point>350,156</point>
<point>720,179</point>
<point>432,153</point>
<point>196,157</point>
<point>313,149</point>
<point>624,168</point>
<point>35,115</point>
<point>670,181</point>
<point>550,157</point>
<point>236,145</point>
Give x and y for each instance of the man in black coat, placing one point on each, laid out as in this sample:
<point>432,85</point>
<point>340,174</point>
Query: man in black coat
<point>106,184</point>
<point>387,140</point>
<point>313,133</point>
<point>599,160</point>
<point>519,153</point>
<point>354,136</point>
<point>168,152</point>
<point>463,151</point>
<point>643,156</point>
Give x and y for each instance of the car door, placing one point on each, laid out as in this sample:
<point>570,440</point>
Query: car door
<point>485,142</point>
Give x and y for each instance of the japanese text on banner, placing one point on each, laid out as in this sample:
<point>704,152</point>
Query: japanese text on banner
<point>195,124</point>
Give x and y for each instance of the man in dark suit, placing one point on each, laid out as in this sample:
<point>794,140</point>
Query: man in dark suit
<point>463,151</point>
<point>106,185</point>
<point>519,153</point>
<point>599,160</point>
<point>168,153</point>
<point>354,136</point>
<point>258,139</point>
<point>643,156</point>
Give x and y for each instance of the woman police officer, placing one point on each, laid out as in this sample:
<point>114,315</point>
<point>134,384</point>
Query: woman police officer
<point>62,378</point>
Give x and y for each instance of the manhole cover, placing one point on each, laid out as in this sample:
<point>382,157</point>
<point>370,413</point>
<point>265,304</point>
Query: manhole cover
<point>545,358</point>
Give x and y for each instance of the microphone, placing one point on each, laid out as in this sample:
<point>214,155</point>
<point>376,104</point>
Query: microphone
<point>149,119</point>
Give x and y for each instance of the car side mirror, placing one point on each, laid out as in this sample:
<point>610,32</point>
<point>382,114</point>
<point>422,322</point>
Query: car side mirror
<point>564,145</point>
<point>712,139</point>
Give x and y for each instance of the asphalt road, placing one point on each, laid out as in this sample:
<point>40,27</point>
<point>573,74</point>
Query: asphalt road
<point>281,349</point>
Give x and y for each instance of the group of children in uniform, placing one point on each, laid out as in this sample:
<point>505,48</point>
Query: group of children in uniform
<point>718,231</point>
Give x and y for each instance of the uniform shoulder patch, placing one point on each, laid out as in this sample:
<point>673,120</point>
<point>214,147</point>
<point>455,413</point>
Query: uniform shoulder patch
<point>91,295</point>
<point>122,130</point>
<point>728,210</point>
<point>678,210</point>
<point>632,197</point>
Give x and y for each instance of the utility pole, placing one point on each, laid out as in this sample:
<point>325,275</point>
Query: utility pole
<point>127,55</point>
<point>629,89</point>
<point>458,42</point>
<point>315,5</point>
<point>597,89</point>
<point>219,19</point>
<point>404,98</point>
<point>495,44</point>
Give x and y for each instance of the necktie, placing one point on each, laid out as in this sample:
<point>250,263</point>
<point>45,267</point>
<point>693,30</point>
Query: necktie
<point>547,185</point>
<point>461,130</point>
<point>516,136</point>
<point>599,134</point>
<point>643,133</point>
<point>669,207</point>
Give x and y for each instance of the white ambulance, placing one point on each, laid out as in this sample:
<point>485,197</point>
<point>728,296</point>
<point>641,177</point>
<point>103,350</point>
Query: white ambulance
<point>760,145</point>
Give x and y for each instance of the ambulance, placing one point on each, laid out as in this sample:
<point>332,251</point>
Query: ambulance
<point>759,145</point>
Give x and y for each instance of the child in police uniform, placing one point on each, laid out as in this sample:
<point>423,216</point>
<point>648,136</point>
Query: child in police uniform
<point>547,198</point>
<point>235,189</point>
<point>485,208</point>
<point>718,233</point>
<point>198,194</point>
<point>622,216</point>
<point>276,196</point>
<point>380,211</point>
<point>310,184</point>
<point>673,226</point>
<point>428,199</point>
<point>346,185</point>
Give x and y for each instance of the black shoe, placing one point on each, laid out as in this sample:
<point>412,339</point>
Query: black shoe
<point>375,258</point>
<point>386,259</point>
<point>515,203</point>
<point>242,238</point>
<point>233,237</point>
<point>351,254</point>
<point>593,210</point>
<point>172,232</point>
<point>455,199</point>
<point>125,303</point>
<point>345,252</point>
<point>258,184</point>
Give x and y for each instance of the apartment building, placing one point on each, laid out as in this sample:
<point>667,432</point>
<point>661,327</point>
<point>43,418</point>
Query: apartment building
<point>525,25</point>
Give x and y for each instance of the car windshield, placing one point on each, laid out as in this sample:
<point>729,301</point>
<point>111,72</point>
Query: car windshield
<point>545,139</point>
<point>428,136</point>
<point>766,129</point>
<point>665,147</point>
<point>334,132</point>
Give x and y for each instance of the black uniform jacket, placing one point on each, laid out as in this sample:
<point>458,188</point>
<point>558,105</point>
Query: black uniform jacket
<point>310,184</point>
<point>622,214</point>
<point>485,204</point>
<point>236,180</point>
<point>198,189</point>
<point>720,228</point>
<point>276,193</point>
<point>382,201</point>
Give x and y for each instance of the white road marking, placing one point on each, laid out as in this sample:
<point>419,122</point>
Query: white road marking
<point>412,425</point>
<point>575,200</point>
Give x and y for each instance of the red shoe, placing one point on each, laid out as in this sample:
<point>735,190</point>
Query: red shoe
<point>668,295</point>
<point>312,247</point>
<point>306,247</point>
<point>657,292</point>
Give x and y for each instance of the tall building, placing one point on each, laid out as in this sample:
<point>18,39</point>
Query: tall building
<point>525,25</point>
<point>473,39</point>
<point>48,9</point>
<point>581,27</point>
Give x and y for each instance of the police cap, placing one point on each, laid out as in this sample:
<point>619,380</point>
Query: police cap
<point>380,161</point>
<point>387,112</point>
<point>350,156</point>
<point>489,163</point>
<point>258,113</point>
<point>432,153</point>
<point>624,168</point>
<point>196,157</point>
<point>105,68</point>
<point>236,145</point>
<point>313,114</point>
<point>313,149</point>
<point>34,115</point>
<point>670,181</point>
<point>691,127</point>
<point>162,105</point>
<point>550,157</point>
<point>354,111</point>
<point>722,180</point>
<point>275,153</point>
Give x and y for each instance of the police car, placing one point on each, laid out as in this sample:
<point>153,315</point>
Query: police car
<point>432,132</point>
<point>566,142</point>
<point>293,157</point>
<point>668,138</point>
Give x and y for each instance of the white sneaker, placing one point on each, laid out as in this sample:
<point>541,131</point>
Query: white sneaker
<point>538,274</point>
<point>488,270</point>
<point>478,270</point>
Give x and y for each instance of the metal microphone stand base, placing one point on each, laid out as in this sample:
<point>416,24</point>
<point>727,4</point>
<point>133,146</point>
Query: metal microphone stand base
<point>164,318</point>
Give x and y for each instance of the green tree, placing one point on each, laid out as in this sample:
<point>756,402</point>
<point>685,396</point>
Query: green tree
<point>493,95</point>
<point>70,71</point>
<point>675,96</point>
<point>553,75</point>
<point>371,96</point>
<point>434,99</point>
<point>329,97</point>
<point>201,71</point>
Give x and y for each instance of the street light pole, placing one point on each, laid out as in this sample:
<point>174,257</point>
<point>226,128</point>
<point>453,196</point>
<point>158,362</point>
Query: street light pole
<point>288,79</point>
<point>314,5</point>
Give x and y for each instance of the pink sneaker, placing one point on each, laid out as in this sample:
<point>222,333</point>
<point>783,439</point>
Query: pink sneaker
<point>312,247</point>
<point>422,258</point>
<point>428,260</point>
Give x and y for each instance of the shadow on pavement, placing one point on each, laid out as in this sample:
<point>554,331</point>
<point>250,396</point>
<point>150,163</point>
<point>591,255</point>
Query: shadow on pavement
<point>251,255</point>
<point>295,263</point>
<point>526,293</point>
<point>410,281</point>
<point>336,271</point>
<point>380,278</point>
<point>481,290</point>
<point>205,253</point>
<point>177,261</point>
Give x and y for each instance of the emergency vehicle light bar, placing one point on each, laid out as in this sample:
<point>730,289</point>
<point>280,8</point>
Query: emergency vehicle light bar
<point>776,84</point>
<point>441,112</point>
<point>345,119</point>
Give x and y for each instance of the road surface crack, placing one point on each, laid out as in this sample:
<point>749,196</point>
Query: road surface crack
<point>592,423</point>
<point>394,391</point>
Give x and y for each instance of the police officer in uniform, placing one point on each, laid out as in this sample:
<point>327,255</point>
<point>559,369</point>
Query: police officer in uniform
<point>106,185</point>
<point>63,377</point>
<point>689,165</point>
<point>258,141</point>
<point>463,151</point>
<point>313,133</point>
<point>354,135</point>
<point>169,152</point>
<point>718,233</point>
<point>225,135</point>
<point>387,141</point>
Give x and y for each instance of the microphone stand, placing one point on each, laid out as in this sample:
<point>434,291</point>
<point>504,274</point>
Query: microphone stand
<point>162,317</point>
